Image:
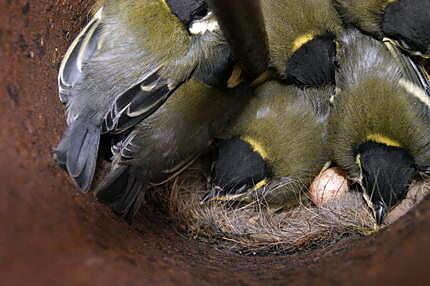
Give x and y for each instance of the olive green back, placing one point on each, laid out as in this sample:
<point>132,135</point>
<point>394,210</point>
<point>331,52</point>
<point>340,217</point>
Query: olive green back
<point>282,120</point>
<point>150,19</point>
<point>364,14</point>
<point>185,125</point>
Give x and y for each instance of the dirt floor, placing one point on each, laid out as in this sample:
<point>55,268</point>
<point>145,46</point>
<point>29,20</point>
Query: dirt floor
<point>51,235</point>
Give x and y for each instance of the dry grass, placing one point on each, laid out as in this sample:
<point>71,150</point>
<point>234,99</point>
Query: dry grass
<point>255,229</point>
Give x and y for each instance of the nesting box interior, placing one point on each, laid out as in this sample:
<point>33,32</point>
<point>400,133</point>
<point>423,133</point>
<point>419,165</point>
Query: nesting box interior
<point>51,234</point>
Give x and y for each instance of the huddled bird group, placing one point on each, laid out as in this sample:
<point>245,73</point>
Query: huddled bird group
<point>159,82</point>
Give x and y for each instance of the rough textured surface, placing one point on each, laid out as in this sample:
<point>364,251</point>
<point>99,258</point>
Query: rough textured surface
<point>50,235</point>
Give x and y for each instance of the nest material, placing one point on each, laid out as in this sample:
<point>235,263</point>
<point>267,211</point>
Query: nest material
<point>255,229</point>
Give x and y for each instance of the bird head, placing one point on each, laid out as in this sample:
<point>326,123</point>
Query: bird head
<point>239,168</point>
<point>386,173</point>
<point>407,23</point>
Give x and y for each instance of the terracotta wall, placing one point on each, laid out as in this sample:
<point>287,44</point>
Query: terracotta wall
<point>51,235</point>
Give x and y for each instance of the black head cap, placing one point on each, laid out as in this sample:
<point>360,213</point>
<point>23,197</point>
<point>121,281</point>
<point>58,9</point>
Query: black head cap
<point>219,71</point>
<point>313,64</point>
<point>238,166</point>
<point>387,173</point>
<point>188,10</point>
<point>408,22</point>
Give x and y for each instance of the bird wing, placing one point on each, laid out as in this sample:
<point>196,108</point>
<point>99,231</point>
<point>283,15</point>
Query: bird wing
<point>137,103</point>
<point>413,72</point>
<point>133,102</point>
<point>81,49</point>
<point>127,150</point>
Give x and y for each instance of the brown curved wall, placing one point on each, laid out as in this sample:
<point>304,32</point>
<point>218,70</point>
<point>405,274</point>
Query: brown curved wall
<point>50,235</point>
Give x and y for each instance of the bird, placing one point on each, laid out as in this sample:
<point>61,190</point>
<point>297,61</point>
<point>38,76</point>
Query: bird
<point>125,63</point>
<point>404,22</point>
<point>274,149</point>
<point>167,142</point>
<point>301,37</point>
<point>378,129</point>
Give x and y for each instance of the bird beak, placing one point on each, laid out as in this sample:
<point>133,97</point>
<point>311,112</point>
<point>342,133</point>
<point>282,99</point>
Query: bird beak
<point>427,55</point>
<point>405,47</point>
<point>218,194</point>
<point>214,192</point>
<point>235,77</point>
<point>380,211</point>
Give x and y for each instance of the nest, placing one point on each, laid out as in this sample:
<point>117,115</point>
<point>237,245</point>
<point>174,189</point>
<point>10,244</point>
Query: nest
<point>255,229</point>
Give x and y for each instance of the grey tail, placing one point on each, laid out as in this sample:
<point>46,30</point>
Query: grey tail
<point>77,152</point>
<point>122,191</point>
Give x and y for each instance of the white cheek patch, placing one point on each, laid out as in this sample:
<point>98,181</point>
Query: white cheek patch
<point>207,24</point>
<point>416,91</point>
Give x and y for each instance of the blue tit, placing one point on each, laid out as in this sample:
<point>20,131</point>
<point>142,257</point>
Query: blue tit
<point>167,142</point>
<point>123,66</point>
<point>274,149</point>
<point>405,22</point>
<point>379,128</point>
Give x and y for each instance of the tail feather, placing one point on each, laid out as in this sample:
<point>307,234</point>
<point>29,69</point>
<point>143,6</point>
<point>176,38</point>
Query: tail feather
<point>77,153</point>
<point>122,191</point>
<point>85,178</point>
<point>60,155</point>
<point>76,138</point>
